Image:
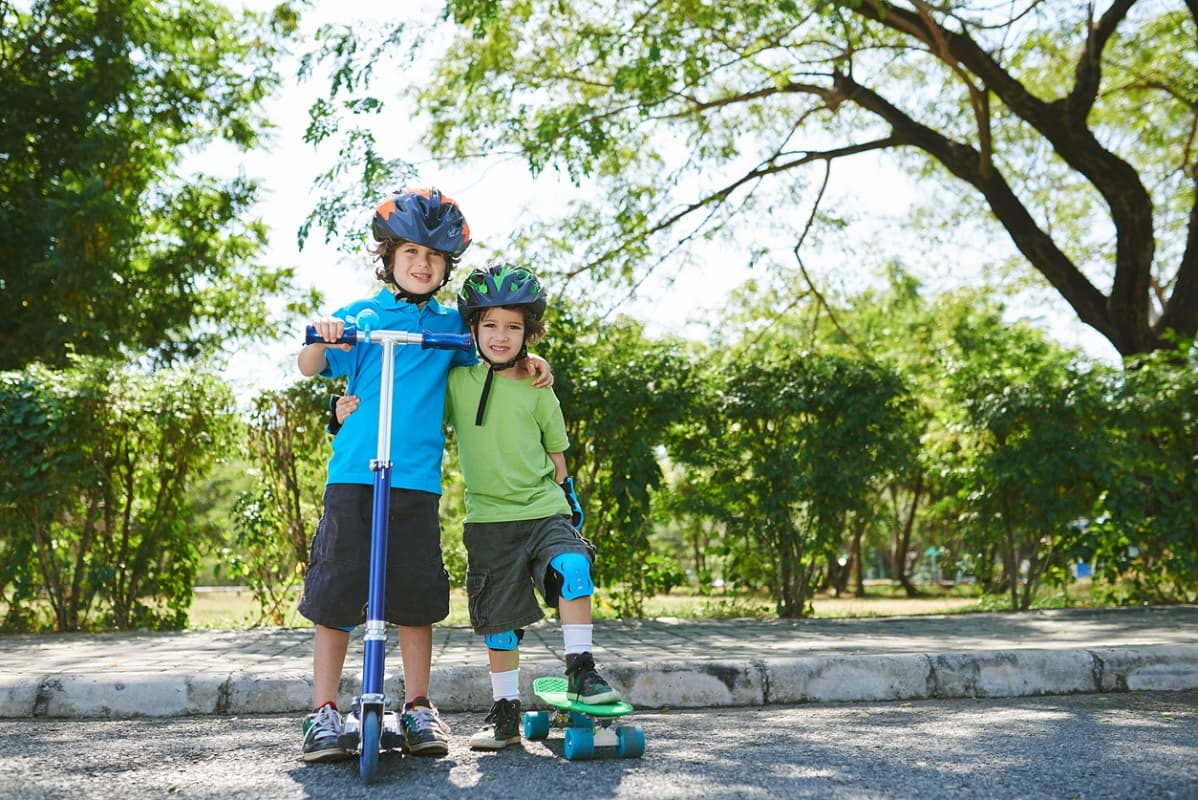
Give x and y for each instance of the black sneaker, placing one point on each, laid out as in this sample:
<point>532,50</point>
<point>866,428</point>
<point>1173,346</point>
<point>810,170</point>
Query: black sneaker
<point>503,727</point>
<point>425,733</point>
<point>584,683</point>
<point>322,735</point>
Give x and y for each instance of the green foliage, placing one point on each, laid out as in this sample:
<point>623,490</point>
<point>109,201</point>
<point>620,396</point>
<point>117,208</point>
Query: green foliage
<point>804,441</point>
<point>97,510</point>
<point>620,393</point>
<point>1036,454</point>
<point>362,170</point>
<point>288,447</point>
<point>688,120</point>
<point>106,245</point>
<point>1145,539</point>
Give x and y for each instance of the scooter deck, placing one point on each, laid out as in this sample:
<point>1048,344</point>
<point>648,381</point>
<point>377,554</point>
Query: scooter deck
<point>391,736</point>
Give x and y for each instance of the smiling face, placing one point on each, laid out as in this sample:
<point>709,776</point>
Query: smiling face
<point>500,334</point>
<point>418,269</point>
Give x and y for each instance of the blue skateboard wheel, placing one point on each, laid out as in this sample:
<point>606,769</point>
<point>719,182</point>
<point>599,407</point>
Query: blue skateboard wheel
<point>580,744</point>
<point>536,725</point>
<point>630,742</point>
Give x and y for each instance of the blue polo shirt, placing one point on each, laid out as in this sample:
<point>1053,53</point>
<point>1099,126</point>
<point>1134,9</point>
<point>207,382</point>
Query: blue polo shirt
<point>418,399</point>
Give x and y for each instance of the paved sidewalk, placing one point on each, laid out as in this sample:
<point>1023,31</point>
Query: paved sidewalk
<point>655,663</point>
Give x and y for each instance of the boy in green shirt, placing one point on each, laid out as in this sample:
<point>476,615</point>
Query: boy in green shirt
<point>519,532</point>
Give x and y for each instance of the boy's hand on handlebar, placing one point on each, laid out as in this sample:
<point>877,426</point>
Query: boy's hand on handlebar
<point>330,329</point>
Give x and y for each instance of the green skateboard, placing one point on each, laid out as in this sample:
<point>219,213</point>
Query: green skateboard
<point>587,727</point>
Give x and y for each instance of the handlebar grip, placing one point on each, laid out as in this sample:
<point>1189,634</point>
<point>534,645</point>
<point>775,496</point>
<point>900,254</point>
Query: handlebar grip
<point>447,341</point>
<point>348,336</point>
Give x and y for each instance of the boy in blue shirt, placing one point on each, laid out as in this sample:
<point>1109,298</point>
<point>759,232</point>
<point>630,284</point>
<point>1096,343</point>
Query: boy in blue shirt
<point>420,236</point>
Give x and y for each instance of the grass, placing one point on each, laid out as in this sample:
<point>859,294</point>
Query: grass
<point>216,608</point>
<point>221,607</point>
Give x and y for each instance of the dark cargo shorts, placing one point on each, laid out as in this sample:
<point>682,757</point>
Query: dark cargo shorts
<point>506,561</point>
<point>336,585</point>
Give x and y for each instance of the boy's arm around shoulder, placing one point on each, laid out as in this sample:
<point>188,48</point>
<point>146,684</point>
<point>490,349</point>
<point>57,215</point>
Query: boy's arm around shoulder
<point>539,370</point>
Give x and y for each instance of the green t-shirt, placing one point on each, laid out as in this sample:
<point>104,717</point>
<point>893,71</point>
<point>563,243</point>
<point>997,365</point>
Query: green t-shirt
<point>505,460</point>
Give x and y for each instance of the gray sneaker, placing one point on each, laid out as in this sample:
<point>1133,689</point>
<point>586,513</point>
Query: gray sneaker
<point>425,733</point>
<point>322,735</point>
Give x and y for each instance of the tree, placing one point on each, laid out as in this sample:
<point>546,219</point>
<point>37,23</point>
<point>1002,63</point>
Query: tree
<point>805,440</point>
<point>288,447</point>
<point>1147,528</point>
<point>1074,127</point>
<point>1034,449</point>
<point>105,244</point>
<point>98,502</point>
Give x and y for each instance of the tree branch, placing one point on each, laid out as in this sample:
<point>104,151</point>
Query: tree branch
<point>718,196</point>
<point>1181,313</point>
<point>966,163</point>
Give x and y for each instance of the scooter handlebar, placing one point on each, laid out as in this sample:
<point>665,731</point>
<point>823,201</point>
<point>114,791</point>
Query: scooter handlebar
<point>349,335</point>
<point>427,340</point>
<point>447,341</point>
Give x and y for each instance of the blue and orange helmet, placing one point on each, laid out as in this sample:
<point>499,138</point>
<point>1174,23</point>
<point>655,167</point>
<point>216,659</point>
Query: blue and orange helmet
<point>423,216</point>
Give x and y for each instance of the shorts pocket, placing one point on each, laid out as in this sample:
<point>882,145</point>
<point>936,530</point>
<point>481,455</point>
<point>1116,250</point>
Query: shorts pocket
<point>476,598</point>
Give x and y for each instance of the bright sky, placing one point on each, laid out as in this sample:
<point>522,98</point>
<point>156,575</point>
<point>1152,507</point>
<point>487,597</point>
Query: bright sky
<point>493,198</point>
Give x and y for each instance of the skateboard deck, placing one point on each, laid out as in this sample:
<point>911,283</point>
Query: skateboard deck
<point>553,691</point>
<point>587,726</point>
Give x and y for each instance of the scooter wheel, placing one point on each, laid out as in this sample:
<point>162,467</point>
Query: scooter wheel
<point>368,762</point>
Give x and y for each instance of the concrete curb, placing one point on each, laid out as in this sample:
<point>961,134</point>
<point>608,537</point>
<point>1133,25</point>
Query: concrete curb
<point>648,685</point>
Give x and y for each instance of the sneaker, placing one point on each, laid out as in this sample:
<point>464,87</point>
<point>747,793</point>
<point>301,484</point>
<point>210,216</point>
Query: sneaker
<point>584,683</point>
<point>322,735</point>
<point>503,727</point>
<point>425,734</point>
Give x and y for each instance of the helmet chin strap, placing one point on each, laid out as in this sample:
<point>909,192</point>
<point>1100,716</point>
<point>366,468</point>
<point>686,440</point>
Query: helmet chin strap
<point>405,296</point>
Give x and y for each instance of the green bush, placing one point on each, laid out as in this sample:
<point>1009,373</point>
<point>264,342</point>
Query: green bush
<point>97,513</point>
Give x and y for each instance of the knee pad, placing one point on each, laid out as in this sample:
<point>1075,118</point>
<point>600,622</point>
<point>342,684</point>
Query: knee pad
<point>508,640</point>
<point>575,572</point>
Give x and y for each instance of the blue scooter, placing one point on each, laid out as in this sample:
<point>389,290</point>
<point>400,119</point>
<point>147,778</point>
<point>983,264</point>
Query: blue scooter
<point>370,706</point>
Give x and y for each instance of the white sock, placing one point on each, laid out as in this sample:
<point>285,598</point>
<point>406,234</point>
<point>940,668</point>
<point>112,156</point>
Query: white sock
<point>578,638</point>
<point>506,685</point>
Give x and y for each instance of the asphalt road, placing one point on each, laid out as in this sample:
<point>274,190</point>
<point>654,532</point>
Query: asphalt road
<point>1123,745</point>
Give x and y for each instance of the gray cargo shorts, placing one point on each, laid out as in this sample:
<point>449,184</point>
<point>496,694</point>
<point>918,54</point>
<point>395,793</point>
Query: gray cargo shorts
<point>507,561</point>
